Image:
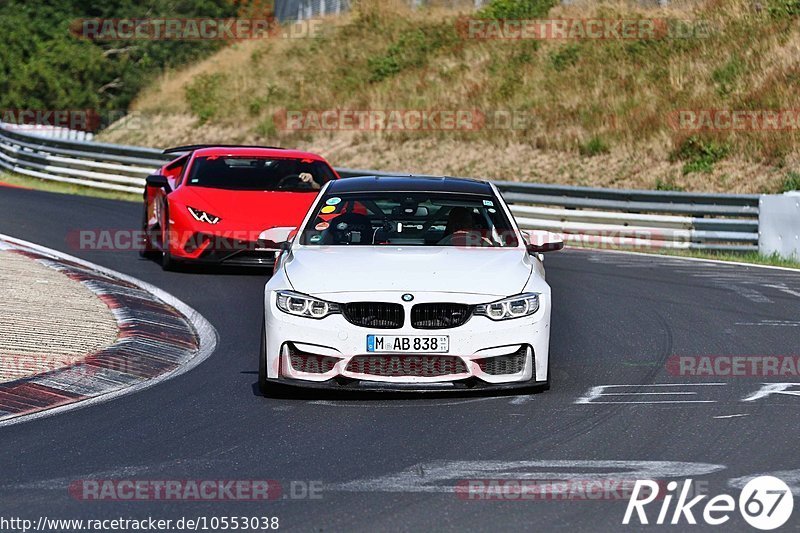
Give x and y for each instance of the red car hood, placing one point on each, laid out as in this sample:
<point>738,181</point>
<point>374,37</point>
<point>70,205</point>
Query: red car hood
<point>250,210</point>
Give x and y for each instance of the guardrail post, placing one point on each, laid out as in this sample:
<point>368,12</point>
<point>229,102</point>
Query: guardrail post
<point>779,225</point>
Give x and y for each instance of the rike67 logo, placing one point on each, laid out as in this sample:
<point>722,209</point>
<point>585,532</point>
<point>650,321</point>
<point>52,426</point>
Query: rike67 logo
<point>765,503</point>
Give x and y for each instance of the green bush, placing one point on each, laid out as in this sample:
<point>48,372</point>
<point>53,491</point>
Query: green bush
<point>668,185</point>
<point>203,95</point>
<point>44,66</point>
<point>594,146</point>
<point>791,182</point>
<point>508,72</point>
<point>700,155</point>
<point>517,9</point>
<point>267,128</point>
<point>412,49</point>
<point>726,76</point>
<point>782,9</point>
<point>564,57</point>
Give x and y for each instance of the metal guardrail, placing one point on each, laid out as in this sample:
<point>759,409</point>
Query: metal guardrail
<point>291,10</point>
<point>615,218</point>
<point>90,164</point>
<point>630,218</point>
<point>52,132</point>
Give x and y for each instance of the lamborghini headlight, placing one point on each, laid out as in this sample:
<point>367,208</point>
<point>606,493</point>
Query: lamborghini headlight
<point>203,216</point>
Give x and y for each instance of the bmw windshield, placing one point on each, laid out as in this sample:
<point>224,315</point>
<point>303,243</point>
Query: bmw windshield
<point>409,219</point>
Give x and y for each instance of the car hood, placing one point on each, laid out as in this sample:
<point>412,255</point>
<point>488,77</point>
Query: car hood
<point>250,209</point>
<point>332,269</point>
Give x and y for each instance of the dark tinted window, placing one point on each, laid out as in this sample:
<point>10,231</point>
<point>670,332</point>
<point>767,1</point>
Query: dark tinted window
<point>259,174</point>
<point>409,219</point>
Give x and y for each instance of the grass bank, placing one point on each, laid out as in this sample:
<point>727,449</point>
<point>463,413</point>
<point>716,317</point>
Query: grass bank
<point>589,112</point>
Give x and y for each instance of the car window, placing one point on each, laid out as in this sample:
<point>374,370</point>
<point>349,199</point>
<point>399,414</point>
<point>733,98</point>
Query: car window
<point>409,219</point>
<point>175,169</point>
<point>259,174</point>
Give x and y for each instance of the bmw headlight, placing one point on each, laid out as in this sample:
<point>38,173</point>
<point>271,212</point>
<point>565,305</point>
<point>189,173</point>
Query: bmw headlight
<point>511,307</point>
<point>298,304</point>
<point>203,216</point>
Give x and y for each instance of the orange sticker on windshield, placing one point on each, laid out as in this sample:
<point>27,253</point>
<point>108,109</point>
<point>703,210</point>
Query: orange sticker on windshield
<point>322,226</point>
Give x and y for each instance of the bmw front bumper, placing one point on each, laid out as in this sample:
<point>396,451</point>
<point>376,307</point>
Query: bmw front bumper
<point>331,353</point>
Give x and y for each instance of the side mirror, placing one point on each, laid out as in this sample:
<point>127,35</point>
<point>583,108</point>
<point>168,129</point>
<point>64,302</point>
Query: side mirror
<point>279,237</point>
<point>543,241</point>
<point>158,181</point>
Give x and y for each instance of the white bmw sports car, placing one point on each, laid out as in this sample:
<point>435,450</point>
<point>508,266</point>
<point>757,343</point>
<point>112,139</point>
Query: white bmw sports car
<point>407,283</point>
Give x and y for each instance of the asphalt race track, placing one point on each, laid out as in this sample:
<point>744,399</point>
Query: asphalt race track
<point>393,463</point>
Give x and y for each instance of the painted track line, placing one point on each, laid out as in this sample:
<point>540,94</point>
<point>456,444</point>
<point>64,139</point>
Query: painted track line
<point>680,258</point>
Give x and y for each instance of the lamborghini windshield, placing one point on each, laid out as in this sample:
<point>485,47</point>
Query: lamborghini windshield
<point>259,173</point>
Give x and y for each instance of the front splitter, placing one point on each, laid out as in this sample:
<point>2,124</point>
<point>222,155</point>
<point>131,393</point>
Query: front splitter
<point>460,387</point>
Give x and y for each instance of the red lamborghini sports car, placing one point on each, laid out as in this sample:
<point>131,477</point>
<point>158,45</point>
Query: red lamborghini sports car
<point>213,203</point>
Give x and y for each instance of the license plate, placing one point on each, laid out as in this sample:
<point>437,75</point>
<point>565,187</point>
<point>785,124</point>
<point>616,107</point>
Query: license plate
<point>414,344</point>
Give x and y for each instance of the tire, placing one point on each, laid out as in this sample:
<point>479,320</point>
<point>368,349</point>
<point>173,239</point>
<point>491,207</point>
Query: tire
<point>146,250</point>
<point>546,386</point>
<point>167,262</point>
<point>263,386</point>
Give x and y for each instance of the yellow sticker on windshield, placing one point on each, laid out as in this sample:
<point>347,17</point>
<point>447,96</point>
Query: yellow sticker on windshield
<point>328,209</point>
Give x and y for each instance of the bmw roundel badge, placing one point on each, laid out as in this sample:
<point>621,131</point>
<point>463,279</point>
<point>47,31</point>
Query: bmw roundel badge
<point>408,297</point>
